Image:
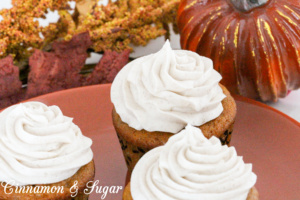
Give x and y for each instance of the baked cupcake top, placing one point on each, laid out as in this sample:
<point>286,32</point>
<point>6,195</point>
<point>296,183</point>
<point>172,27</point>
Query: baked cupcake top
<point>167,90</point>
<point>39,145</point>
<point>190,166</point>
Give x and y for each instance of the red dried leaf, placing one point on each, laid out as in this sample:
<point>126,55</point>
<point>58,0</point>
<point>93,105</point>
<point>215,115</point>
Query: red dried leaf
<point>108,67</point>
<point>59,69</point>
<point>13,99</point>
<point>10,83</point>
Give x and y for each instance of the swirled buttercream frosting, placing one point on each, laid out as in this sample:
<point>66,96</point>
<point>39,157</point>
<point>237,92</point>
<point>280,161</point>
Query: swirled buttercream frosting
<point>167,90</point>
<point>192,167</point>
<point>39,145</point>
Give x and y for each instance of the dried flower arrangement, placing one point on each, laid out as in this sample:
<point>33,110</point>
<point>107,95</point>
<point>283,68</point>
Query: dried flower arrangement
<point>56,60</point>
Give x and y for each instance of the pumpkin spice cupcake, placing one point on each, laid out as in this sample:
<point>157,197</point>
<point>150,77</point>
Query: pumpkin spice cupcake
<point>190,166</point>
<point>43,154</point>
<point>156,96</point>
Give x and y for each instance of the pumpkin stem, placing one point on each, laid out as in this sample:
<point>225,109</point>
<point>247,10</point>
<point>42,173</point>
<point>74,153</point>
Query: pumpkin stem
<point>247,5</point>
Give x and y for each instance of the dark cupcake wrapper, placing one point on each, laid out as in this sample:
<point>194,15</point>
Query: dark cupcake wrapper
<point>133,153</point>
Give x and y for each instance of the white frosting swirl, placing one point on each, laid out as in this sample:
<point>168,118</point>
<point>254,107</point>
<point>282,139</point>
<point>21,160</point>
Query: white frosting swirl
<point>39,145</point>
<point>167,90</point>
<point>189,166</point>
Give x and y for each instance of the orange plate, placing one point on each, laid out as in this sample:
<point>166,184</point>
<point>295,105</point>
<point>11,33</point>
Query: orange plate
<point>265,137</point>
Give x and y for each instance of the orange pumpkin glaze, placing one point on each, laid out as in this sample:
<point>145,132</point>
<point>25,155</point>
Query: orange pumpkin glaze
<point>257,52</point>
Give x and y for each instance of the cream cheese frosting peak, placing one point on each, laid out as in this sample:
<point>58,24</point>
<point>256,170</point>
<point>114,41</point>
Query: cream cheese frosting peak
<point>39,145</point>
<point>191,167</point>
<point>167,90</point>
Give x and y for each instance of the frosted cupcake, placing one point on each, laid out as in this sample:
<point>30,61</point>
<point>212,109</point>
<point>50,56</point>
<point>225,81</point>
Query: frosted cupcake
<point>190,166</point>
<point>156,96</point>
<point>42,154</point>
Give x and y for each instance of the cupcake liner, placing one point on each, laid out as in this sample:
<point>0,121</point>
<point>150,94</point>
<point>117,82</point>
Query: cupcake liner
<point>127,193</point>
<point>133,153</point>
<point>225,138</point>
<point>253,194</point>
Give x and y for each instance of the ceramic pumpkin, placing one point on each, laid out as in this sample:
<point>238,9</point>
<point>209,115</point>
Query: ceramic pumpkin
<point>255,44</point>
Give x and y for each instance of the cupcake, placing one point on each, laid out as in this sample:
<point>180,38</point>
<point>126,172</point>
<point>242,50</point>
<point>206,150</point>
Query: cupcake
<point>43,154</point>
<point>156,96</point>
<point>190,166</point>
